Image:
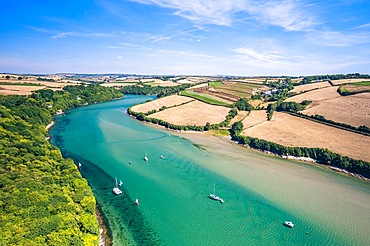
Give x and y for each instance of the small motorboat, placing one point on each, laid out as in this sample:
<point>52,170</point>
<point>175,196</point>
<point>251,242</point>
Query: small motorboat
<point>288,224</point>
<point>117,191</point>
<point>137,201</point>
<point>162,157</point>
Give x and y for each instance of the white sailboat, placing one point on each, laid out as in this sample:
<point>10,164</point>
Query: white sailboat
<point>137,201</point>
<point>116,190</point>
<point>146,156</point>
<point>214,196</point>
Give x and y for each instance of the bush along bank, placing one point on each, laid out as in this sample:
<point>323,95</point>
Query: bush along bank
<point>322,156</point>
<point>145,117</point>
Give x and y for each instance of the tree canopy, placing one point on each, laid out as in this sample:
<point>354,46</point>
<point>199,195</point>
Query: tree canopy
<point>43,198</point>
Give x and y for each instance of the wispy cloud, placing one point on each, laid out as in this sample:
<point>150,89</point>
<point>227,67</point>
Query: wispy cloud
<point>367,25</point>
<point>157,38</point>
<point>80,34</point>
<point>262,56</point>
<point>337,38</point>
<point>287,14</point>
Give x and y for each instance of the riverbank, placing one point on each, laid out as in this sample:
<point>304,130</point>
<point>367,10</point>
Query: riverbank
<point>197,135</point>
<point>104,239</point>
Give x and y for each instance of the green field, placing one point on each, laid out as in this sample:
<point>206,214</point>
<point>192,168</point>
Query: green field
<point>204,98</point>
<point>362,83</point>
<point>215,83</point>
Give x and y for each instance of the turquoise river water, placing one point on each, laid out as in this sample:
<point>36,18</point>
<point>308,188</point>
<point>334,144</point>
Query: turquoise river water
<point>260,191</point>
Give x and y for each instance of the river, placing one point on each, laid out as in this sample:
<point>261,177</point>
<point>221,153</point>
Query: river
<point>260,191</point>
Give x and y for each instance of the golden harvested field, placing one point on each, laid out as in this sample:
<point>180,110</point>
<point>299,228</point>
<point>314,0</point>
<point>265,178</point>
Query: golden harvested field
<point>164,83</point>
<point>193,113</point>
<point>18,89</point>
<point>356,88</point>
<point>255,103</point>
<point>345,81</point>
<point>250,80</point>
<point>309,87</point>
<point>112,84</point>
<point>158,103</point>
<point>128,81</point>
<point>293,131</point>
<point>353,110</point>
<point>256,117</point>
<point>316,95</point>
<point>187,81</point>
<point>240,116</point>
<point>157,82</point>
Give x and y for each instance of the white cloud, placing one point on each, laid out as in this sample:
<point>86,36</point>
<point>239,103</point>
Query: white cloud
<point>79,34</point>
<point>367,25</point>
<point>262,56</point>
<point>157,38</point>
<point>287,14</point>
<point>337,39</point>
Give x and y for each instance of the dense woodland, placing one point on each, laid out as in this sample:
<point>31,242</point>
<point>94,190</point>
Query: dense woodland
<point>328,77</point>
<point>143,89</point>
<point>43,198</point>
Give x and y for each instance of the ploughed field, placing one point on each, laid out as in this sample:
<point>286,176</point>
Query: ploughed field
<point>26,85</point>
<point>309,87</point>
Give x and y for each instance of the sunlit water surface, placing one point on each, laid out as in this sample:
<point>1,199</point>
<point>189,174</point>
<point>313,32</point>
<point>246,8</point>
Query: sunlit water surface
<point>260,192</point>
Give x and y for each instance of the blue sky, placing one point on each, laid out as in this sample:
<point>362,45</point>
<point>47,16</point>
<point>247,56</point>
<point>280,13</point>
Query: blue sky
<point>189,37</point>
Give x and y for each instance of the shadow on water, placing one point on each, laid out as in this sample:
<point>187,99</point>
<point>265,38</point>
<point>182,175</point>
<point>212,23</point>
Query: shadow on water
<point>130,222</point>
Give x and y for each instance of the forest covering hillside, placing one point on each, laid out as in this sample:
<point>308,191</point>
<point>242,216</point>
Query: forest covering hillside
<point>43,198</point>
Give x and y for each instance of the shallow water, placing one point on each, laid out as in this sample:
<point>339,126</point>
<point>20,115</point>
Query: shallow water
<point>260,191</point>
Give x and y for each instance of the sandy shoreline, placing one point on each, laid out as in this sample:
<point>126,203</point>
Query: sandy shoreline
<point>52,123</point>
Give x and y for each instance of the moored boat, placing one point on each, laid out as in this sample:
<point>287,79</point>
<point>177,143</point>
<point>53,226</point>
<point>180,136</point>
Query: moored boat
<point>288,224</point>
<point>214,196</point>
